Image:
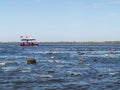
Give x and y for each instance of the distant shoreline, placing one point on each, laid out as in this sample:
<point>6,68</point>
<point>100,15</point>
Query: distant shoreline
<point>89,42</point>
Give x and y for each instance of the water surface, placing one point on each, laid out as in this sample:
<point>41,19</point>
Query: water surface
<point>60,67</point>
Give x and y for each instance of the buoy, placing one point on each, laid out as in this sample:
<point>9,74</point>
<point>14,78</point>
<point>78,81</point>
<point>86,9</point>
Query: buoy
<point>107,55</point>
<point>79,53</point>
<point>49,52</point>
<point>81,62</point>
<point>31,61</point>
<point>50,71</point>
<point>95,59</point>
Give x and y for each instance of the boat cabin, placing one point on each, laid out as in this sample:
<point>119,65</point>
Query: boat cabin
<point>28,42</point>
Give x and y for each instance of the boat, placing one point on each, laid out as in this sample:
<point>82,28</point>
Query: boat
<point>28,42</point>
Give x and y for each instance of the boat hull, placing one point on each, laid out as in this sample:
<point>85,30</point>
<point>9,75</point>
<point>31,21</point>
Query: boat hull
<point>28,44</point>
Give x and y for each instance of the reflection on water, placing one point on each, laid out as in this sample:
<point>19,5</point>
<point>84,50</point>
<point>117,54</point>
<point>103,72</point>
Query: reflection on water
<point>66,67</point>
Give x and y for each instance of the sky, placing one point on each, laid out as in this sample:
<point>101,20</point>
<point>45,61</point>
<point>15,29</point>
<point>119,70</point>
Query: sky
<point>60,20</point>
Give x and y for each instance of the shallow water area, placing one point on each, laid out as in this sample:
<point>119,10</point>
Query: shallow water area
<point>60,67</point>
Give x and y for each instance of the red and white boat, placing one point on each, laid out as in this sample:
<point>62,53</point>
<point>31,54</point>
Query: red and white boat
<point>28,42</point>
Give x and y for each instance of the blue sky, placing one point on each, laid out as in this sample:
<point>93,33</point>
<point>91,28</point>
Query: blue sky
<point>60,20</point>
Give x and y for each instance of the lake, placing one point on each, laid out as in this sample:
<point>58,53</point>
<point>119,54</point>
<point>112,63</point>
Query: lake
<point>60,67</point>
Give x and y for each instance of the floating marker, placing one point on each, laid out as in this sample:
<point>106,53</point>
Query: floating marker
<point>31,61</point>
<point>50,71</point>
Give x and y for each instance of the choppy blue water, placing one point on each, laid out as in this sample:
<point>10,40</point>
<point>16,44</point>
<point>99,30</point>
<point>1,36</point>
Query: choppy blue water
<point>60,67</point>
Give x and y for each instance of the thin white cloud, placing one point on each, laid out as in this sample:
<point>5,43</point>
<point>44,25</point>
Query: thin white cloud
<point>101,5</point>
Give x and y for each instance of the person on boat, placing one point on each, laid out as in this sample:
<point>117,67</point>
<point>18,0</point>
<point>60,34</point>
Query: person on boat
<point>32,43</point>
<point>23,43</point>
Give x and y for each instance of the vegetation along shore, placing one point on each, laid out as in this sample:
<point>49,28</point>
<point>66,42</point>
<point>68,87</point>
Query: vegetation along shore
<point>62,42</point>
